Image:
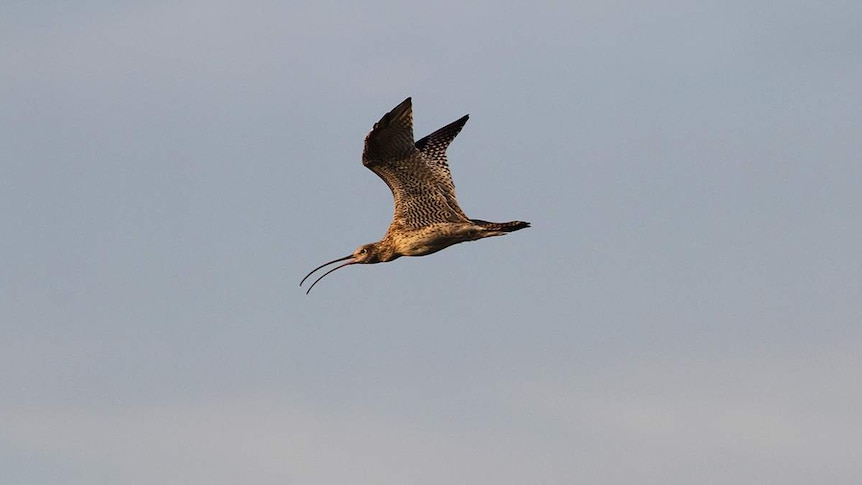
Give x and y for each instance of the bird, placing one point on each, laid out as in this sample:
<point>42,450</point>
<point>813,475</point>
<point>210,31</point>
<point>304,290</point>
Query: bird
<point>427,217</point>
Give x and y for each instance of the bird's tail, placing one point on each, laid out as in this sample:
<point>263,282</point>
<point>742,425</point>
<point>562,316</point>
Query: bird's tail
<point>501,226</point>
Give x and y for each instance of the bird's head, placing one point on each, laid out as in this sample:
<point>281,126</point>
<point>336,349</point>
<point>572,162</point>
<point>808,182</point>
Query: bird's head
<point>366,254</point>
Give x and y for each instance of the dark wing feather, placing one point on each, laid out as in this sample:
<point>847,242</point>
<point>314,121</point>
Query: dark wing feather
<point>419,186</point>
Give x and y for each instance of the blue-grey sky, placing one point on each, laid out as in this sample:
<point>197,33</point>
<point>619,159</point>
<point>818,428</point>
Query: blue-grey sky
<point>685,309</point>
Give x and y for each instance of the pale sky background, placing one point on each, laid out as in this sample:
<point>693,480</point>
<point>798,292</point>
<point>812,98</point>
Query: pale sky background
<point>685,309</point>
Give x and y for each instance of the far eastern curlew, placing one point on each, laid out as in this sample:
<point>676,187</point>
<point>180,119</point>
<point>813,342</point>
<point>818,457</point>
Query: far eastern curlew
<point>427,217</point>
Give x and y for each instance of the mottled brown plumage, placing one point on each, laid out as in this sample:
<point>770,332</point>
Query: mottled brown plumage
<point>427,216</point>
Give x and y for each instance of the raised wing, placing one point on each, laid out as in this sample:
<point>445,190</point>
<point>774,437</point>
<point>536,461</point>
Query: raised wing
<point>434,148</point>
<point>416,173</point>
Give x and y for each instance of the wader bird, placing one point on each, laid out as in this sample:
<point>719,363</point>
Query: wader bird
<point>427,217</point>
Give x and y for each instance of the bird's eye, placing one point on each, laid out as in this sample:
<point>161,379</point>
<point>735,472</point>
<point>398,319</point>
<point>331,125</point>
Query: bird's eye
<point>363,251</point>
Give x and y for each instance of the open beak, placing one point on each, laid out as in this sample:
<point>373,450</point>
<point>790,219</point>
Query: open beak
<point>352,261</point>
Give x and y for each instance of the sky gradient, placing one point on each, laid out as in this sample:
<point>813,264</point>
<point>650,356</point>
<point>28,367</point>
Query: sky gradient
<point>685,309</point>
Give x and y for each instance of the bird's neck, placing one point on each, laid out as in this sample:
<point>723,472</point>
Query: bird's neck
<point>386,250</point>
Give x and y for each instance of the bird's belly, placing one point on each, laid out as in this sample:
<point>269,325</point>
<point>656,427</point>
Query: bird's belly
<point>425,248</point>
<point>433,239</point>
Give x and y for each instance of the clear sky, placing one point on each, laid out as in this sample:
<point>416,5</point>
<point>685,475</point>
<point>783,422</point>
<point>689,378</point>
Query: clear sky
<point>686,308</point>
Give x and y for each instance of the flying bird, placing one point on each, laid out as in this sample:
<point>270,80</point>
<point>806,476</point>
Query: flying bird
<point>427,216</point>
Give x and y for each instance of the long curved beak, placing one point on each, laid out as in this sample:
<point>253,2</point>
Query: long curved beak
<point>330,271</point>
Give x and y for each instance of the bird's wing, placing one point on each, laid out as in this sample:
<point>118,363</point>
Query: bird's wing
<point>434,148</point>
<point>423,191</point>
